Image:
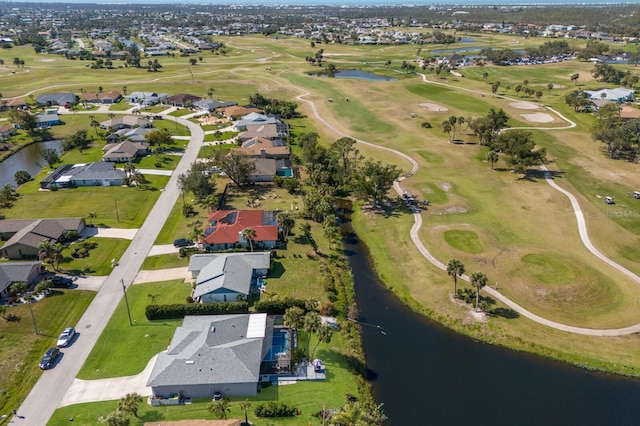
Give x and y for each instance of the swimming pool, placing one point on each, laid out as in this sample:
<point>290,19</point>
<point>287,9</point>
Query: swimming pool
<point>279,344</point>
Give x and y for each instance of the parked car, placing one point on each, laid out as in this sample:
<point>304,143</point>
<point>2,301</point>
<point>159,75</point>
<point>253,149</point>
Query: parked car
<point>182,242</point>
<point>49,358</point>
<point>60,281</point>
<point>66,337</point>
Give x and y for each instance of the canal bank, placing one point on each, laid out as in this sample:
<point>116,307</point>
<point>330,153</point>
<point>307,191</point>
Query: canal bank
<point>425,373</point>
<point>27,158</point>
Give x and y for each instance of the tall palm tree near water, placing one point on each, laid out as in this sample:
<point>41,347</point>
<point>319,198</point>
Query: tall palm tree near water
<point>324,336</point>
<point>455,269</point>
<point>478,280</point>
<point>311,325</point>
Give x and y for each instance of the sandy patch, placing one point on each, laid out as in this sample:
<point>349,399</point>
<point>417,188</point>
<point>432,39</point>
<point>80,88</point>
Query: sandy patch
<point>523,105</point>
<point>46,60</point>
<point>539,117</point>
<point>434,107</point>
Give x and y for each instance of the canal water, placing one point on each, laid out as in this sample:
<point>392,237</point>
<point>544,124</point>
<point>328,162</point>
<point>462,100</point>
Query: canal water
<point>28,158</point>
<point>426,374</point>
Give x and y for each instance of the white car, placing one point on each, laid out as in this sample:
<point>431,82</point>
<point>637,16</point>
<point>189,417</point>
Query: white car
<point>66,337</point>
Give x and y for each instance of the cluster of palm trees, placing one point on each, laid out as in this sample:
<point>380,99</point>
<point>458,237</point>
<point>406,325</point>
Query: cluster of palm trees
<point>455,269</point>
<point>309,320</point>
<point>52,253</point>
<point>221,407</point>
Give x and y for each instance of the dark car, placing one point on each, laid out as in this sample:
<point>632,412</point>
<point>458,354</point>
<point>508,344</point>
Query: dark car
<point>182,242</point>
<point>49,358</point>
<point>60,281</point>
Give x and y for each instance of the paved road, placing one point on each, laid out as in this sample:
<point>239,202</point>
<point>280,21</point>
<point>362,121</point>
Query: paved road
<point>53,384</point>
<point>417,215</point>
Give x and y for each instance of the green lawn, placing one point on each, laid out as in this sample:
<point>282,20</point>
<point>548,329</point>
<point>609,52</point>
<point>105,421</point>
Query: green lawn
<point>309,397</point>
<point>164,261</point>
<point>124,350</point>
<point>21,349</point>
<point>118,207</point>
<point>99,260</point>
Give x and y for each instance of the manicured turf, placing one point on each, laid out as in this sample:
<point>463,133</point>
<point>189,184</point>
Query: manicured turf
<point>465,241</point>
<point>21,349</point>
<point>125,350</point>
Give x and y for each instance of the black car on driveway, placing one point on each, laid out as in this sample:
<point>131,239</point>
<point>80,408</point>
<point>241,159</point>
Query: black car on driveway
<point>182,242</point>
<point>49,358</point>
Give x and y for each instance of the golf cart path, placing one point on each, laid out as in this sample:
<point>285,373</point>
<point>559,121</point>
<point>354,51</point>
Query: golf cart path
<point>582,227</point>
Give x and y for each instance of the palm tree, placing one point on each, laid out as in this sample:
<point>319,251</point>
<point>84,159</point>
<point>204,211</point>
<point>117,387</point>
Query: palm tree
<point>91,216</point>
<point>294,319</point>
<point>455,269</point>
<point>197,233</point>
<point>492,157</point>
<point>124,90</point>
<point>330,228</point>
<point>478,280</point>
<point>549,87</point>
<point>56,255</point>
<point>446,127</point>
<point>44,251</point>
<point>311,325</point>
<point>285,223</point>
<point>129,403</point>
<point>210,92</point>
<point>324,336</point>
<point>249,234</point>
<point>244,406</point>
<point>574,78</point>
<point>219,408</point>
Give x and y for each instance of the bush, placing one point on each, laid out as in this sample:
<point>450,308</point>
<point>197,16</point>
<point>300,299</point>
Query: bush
<point>159,312</point>
<point>275,409</point>
<point>279,306</point>
<point>426,125</point>
<point>188,251</point>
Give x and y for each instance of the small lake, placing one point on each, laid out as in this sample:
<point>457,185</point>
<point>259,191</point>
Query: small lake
<point>28,158</point>
<point>356,74</point>
<point>426,374</point>
<point>452,51</point>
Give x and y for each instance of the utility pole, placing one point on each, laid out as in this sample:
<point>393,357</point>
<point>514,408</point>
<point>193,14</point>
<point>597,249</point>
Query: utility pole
<point>35,327</point>
<point>126,301</point>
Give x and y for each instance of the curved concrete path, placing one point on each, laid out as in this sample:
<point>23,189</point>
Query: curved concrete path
<point>414,232</point>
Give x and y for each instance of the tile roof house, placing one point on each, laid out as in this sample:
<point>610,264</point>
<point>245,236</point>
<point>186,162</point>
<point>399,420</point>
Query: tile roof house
<point>213,353</point>
<point>137,134</point>
<point>110,97</point>
<point>210,105</point>
<point>272,131</point>
<point>226,226</point>
<point>628,112</point>
<point>182,100</point>
<point>15,272</point>
<point>125,151</point>
<point>146,98</point>
<point>61,99</point>
<point>255,119</point>
<point>264,148</point>
<point>90,174</point>
<point>126,122</point>
<point>6,132</point>
<point>23,237</point>
<point>12,103</point>
<point>225,276</point>
<point>619,94</point>
<point>233,112</point>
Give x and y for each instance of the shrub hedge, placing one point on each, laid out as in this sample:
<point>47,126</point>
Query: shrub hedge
<point>275,409</point>
<point>278,306</point>
<point>159,312</point>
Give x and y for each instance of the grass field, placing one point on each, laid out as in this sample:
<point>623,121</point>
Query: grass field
<point>21,349</point>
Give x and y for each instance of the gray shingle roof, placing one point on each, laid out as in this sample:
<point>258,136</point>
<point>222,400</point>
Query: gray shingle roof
<point>212,349</point>
<point>12,272</point>
<point>228,271</point>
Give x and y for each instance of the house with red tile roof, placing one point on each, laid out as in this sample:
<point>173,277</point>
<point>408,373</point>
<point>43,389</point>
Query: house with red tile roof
<point>226,226</point>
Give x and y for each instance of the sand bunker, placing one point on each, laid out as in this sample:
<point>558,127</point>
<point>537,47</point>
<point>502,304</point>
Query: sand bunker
<point>539,117</point>
<point>523,105</point>
<point>434,107</point>
<point>46,60</point>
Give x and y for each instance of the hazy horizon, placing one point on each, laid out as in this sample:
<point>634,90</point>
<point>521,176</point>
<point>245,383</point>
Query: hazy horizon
<point>340,2</point>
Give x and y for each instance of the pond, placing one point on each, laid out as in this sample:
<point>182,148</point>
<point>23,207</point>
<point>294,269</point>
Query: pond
<point>452,51</point>
<point>356,74</point>
<point>426,374</point>
<point>28,158</point>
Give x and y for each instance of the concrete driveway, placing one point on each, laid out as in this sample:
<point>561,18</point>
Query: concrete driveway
<point>125,234</point>
<point>163,249</point>
<point>163,275</point>
<point>108,389</point>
